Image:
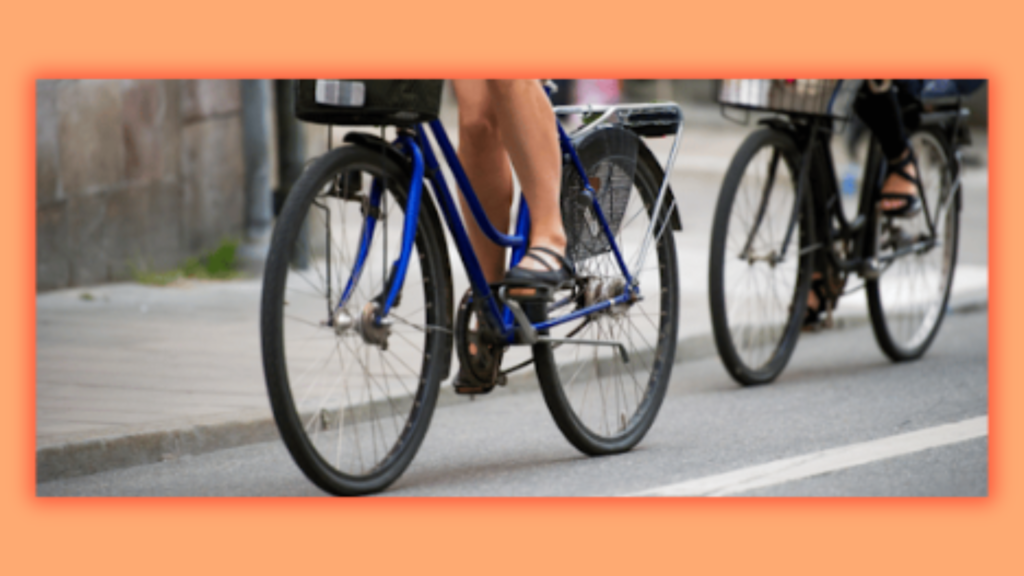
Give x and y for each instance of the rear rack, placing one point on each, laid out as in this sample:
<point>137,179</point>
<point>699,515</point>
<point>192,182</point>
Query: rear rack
<point>645,119</point>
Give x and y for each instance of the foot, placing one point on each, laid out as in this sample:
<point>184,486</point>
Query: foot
<point>814,302</point>
<point>542,270</point>
<point>899,192</point>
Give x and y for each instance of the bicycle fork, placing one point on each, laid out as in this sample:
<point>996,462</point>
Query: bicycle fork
<point>373,322</point>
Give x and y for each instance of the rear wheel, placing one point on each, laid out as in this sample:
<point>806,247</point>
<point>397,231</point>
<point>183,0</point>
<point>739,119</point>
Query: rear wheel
<point>908,300</point>
<point>601,403</point>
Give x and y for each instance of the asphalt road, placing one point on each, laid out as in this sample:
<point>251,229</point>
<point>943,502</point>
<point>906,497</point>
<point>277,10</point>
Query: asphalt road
<point>838,396</point>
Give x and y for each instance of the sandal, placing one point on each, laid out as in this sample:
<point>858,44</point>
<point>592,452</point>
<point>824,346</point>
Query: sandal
<point>911,203</point>
<point>543,283</point>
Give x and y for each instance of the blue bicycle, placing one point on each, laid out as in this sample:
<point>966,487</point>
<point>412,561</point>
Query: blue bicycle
<point>359,321</point>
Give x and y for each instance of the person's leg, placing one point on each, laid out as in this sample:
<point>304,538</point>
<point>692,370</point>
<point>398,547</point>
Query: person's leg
<point>881,113</point>
<point>527,126</point>
<point>483,156</point>
<point>499,120</point>
<point>879,109</point>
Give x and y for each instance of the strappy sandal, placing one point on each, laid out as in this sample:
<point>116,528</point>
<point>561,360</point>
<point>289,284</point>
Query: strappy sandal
<point>911,203</point>
<point>542,283</point>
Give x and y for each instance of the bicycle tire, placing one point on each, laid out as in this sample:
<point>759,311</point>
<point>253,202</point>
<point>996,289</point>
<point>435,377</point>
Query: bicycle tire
<point>893,326</point>
<point>755,335</point>
<point>597,430</point>
<point>353,433</point>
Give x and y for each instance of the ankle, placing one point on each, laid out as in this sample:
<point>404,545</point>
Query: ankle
<point>901,157</point>
<point>556,242</point>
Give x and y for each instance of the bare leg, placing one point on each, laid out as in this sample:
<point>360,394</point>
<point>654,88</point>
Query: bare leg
<point>499,119</point>
<point>527,128</point>
<point>484,158</point>
<point>879,108</point>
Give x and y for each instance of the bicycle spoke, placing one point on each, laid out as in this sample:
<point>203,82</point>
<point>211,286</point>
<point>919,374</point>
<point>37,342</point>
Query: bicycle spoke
<point>341,376</point>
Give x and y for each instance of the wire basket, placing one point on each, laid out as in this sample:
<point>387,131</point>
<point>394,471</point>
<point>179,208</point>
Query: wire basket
<point>831,98</point>
<point>368,102</point>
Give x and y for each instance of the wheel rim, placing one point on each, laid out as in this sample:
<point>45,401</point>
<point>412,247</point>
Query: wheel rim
<point>759,293</point>
<point>355,400</point>
<point>609,398</point>
<point>912,289</point>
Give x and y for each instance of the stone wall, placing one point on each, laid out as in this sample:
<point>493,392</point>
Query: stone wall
<point>145,173</point>
<point>133,173</point>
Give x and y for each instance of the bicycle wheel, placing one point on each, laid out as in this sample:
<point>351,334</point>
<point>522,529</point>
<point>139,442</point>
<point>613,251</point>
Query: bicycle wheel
<point>352,399</point>
<point>908,300</point>
<point>758,301</point>
<point>600,403</point>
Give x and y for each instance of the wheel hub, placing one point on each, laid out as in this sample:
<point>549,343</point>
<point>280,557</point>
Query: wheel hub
<point>598,290</point>
<point>365,325</point>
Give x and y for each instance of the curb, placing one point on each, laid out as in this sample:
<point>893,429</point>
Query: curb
<point>85,454</point>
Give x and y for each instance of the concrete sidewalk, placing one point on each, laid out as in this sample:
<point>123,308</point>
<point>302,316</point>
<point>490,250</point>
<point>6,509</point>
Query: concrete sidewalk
<point>130,374</point>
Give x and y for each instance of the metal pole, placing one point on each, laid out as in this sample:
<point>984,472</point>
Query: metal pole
<point>256,152</point>
<point>291,156</point>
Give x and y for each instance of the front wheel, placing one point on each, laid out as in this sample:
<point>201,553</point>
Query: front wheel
<point>908,300</point>
<point>760,269</point>
<point>352,397</point>
<point>602,404</point>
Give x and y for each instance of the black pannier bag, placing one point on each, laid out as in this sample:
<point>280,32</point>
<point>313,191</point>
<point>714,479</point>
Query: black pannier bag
<point>368,102</point>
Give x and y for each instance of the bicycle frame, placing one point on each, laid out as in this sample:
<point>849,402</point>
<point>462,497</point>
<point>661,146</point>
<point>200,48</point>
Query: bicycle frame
<point>416,145</point>
<point>816,177</point>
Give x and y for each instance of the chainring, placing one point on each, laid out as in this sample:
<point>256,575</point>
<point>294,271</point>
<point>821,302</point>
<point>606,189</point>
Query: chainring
<point>478,352</point>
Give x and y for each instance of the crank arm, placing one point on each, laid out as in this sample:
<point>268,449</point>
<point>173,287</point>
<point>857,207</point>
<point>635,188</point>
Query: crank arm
<point>527,333</point>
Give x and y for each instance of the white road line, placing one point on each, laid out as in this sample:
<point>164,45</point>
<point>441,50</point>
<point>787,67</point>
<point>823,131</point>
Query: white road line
<point>826,461</point>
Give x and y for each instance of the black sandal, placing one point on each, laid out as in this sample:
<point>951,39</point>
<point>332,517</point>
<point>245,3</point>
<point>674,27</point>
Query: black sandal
<point>543,282</point>
<point>911,202</point>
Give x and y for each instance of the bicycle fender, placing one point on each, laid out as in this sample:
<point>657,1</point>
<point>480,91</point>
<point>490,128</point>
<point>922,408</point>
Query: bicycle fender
<point>378,144</point>
<point>645,155</point>
<point>779,124</point>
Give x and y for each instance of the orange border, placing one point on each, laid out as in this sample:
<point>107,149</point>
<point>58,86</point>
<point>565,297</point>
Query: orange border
<point>741,38</point>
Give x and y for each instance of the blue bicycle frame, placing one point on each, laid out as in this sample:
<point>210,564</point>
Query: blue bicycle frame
<point>416,146</point>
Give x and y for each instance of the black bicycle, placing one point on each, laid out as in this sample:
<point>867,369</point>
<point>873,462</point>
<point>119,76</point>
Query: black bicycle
<point>780,223</point>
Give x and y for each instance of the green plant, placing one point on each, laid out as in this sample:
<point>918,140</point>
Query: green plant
<point>220,264</point>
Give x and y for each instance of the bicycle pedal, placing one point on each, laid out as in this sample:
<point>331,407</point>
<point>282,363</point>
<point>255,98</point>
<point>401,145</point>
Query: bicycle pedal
<point>464,390</point>
<point>472,389</point>
<point>816,327</point>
